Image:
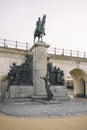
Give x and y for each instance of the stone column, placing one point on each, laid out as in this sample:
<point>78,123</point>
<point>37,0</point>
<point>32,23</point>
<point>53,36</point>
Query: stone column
<point>39,50</point>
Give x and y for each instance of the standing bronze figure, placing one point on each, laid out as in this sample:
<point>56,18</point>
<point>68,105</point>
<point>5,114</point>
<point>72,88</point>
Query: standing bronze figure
<point>40,28</point>
<point>47,86</point>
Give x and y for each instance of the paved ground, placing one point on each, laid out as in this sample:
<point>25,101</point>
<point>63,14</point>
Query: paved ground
<point>76,107</point>
<point>66,123</point>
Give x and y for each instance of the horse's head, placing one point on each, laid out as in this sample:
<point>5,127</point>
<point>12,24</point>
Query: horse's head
<point>44,18</point>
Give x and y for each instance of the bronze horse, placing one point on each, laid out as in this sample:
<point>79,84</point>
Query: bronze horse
<point>40,31</point>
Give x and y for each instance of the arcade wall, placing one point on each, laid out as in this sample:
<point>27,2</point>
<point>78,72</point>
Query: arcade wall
<point>8,56</point>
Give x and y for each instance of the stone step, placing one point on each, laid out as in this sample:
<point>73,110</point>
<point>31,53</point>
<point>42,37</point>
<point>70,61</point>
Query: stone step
<point>62,98</point>
<point>18,100</point>
<point>39,99</point>
<point>50,101</point>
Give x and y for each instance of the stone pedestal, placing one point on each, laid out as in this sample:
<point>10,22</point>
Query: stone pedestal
<point>59,93</point>
<point>20,91</point>
<point>39,50</point>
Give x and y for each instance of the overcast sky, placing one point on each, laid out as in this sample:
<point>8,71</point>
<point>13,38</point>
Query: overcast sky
<point>66,22</point>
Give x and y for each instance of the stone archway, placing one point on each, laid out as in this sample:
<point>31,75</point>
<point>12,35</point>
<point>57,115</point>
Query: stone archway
<point>79,78</point>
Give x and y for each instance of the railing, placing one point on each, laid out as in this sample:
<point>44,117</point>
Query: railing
<point>66,52</point>
<point>14,44</point>
<point>26,46</point>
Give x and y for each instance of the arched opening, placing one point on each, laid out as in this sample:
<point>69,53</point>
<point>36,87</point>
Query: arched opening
<point>79,77</point>
<point>69,82</point>
<point>70,85</point>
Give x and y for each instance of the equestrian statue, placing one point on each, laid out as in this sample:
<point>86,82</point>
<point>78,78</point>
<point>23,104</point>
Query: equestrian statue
<point>40,28</point>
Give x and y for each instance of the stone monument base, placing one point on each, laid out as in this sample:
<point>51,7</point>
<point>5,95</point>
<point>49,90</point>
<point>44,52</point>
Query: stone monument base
<point>26,93</point>
<point>20,91</point>
<point>59,93</point>
<point>58,90</point>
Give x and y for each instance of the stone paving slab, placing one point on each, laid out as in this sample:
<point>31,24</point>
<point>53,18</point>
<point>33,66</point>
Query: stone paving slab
<point>37,109</point>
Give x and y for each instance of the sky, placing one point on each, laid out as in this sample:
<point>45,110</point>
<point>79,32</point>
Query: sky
<point>66,22</point>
